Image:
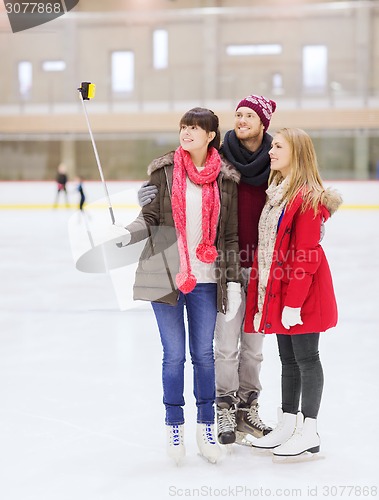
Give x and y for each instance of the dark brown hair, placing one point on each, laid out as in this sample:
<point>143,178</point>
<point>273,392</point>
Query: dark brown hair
<point>205,119</point>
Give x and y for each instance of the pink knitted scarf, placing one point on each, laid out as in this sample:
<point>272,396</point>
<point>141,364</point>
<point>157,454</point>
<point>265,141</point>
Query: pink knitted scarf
<point>207,178</point>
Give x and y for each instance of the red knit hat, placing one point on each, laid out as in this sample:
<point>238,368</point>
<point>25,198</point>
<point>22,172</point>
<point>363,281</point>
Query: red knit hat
<point>262,106</point>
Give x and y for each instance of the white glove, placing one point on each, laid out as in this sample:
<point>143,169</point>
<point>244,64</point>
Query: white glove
<point>119,232</point>
<point>146,194</point>
<point>291,316</point>
<point>234,299</point>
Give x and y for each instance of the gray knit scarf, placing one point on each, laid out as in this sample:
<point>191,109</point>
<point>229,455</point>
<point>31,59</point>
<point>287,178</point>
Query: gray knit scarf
<point>268,228</point>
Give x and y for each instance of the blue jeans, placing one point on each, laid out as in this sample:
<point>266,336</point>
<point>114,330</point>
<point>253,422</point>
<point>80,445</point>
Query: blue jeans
<point>302,373</point>
<point>201,306</point>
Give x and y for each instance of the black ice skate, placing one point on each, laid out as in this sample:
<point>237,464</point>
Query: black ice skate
<point>249,421</point>
<point>226,420</point>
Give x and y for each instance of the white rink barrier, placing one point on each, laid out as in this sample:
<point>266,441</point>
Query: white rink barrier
<point>90,229</point>
<point>41,195</point>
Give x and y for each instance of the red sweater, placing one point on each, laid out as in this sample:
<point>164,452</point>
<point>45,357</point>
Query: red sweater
<point>251,200</point>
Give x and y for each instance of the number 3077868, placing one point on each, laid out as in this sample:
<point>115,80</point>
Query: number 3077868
<point>33,8</point>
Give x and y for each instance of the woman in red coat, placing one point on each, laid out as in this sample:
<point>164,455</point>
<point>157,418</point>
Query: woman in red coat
<point>291,291</point>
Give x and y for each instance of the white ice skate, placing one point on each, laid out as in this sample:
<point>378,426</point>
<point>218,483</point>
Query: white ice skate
<point>282,432</point>
<point>208,447</point>
<point>175,442</point>
<point>303,445</point>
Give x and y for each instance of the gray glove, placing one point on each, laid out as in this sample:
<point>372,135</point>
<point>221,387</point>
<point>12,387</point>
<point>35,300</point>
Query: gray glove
<point>146,194</point>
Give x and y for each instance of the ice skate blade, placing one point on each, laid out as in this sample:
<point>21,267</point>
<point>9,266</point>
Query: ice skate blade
<point>293,459</point>
<point>210,460</point>
<point>262,452</point>
<point>177,461</point>
<point>229,448</point>
<point>241,439</point>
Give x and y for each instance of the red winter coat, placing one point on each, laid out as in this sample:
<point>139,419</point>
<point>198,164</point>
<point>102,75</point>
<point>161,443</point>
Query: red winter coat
<point>299,274</point>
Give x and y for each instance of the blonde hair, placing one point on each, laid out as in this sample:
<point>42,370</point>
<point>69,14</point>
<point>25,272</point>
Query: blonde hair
<point>304,173</point>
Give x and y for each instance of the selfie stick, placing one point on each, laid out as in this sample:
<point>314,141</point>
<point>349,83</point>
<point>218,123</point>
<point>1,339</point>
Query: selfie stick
<point>87,92</point>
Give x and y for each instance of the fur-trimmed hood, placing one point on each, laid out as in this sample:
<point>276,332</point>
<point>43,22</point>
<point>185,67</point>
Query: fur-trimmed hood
<point>227,169</point>
<point>331,200</point>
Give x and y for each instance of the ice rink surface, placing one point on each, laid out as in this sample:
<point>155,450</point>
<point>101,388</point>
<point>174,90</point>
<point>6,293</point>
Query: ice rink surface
<point>81,413</point>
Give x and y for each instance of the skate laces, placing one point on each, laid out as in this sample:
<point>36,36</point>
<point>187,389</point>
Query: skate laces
<point>297,433</point>
<point>175,437</point>
<point>208,434</point>
<point>226,419</point>
<point>254,418</point>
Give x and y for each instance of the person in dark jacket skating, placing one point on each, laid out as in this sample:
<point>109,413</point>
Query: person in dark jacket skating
<point>61,180</point>
<point>80,189</point>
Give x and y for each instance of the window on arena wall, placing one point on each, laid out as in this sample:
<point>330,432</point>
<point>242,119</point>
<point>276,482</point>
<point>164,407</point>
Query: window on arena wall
<point>160,49</point>
<point>270,49</point>
<point>25,79</point>
<point>277,84</point>
<point>122,71</point>
<point>52,66</point>
<point>315,68</point>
